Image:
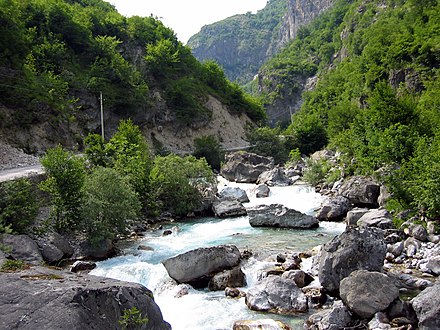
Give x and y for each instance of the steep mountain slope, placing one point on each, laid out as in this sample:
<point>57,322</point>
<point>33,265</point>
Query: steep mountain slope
<point>242,43</point>
<point>56,57</point>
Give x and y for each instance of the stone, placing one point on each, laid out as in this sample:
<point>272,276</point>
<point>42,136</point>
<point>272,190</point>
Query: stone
<point>145,248</point>
<point>379,321</point>
<point>417,231</point>
<point>354,249</point>
<point>300,277</point>
<point>61,243</point>
<point>354,215</point>
<point>234,193</point>
<point>79,266</point>
<point>360,191</point>
<point>396,249</point>
<point>334,209</point>
<point>384,196</point>
<point>402,310</point>
<point>51,254</point>
<point>228,278</point>
<point>427,307</point>
<point>279,216</point>
<point>196,267</point>
<point>336,318</point>
<point>99,251</point>
<point>234,293</point>
<point>266,324</point>
<point>366,293</point>
<point>276,295</point>
<point>274,177</point>
<point>22,247</point>
<point>379,218</point>
<point>228,208</point>
<point>433,265</point>
<point>42,298</point>
<point>245,167</point>
<point>262,191</point>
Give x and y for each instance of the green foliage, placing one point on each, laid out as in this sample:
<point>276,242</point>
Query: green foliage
<point>132,319</point>
<point>109,204</point>
<point>268,142</point>
<point>176,182</point>
<point>18,206</point>
<point>13,266</point>
<point>65,179</point>
<point>95,150</point>
<point>208,147</point>
<point>308,133</point>
<point>316,171</point>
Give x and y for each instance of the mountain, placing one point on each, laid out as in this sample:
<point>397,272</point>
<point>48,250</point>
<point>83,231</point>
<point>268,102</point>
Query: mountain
<point>242,43</point>
<point>57,57</point>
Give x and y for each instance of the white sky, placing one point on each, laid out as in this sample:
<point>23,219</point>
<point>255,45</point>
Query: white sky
<point>187,17</point>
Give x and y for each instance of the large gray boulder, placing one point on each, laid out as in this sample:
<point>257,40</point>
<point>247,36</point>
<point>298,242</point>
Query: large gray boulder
<point>228,208</point>
<point>279,216</point>
<point>245,167</point>
<point>262,191</point>
<point>367,293</point>
<point>274,177</point>
<point>42,298</point>
<point>197,267</point>
<point>354,249</point>
<point>360,191</point>
<point>232,278</point>
<point>234,193</point>
<point>276,295</point>
<point>354,215</point>
<point>335,318</point>
<point>266,324</point>
<point>22,247</point>
<point>427,307</point>
<point>334,209</point>
<point>379,218</point>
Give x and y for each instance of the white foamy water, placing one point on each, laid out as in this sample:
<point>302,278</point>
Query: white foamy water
<point>203,310</point>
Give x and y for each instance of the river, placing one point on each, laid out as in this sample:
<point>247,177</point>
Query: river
<point>203,310</point>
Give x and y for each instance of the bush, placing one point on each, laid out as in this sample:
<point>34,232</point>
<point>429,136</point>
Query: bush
<point>175,182</point>
<point>316,171</point>
<point>18,206</point>
<point>209,148</point>
<point>132,318</point>
<point>268,142</point>
<point>65,180</point>
<point>109,204</point>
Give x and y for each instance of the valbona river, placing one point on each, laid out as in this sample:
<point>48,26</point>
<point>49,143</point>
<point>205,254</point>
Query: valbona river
<point>204,310</point>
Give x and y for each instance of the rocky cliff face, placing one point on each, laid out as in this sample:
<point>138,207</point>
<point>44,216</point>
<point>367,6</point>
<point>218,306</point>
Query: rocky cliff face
<point>242,43</point>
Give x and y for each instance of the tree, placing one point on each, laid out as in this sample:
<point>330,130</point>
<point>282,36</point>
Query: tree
<point>65,180</point>
<point>109,204</point>
<point>209,148</point>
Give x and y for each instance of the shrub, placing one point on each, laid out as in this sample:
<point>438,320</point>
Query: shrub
<point>316,171</point>
<point>18,206</point>
<point>268,142</point>
<point>109,204</point>
<point>65,179</point>
<point>13,265</point>
<point>209,148</point>
<point>132,318</point>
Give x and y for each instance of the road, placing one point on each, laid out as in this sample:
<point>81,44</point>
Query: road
<point>20,172</point>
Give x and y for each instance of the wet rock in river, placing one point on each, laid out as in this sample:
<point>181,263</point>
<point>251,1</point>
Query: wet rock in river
<point>228,278</point>
<point>279,216</point>
<point>335,318</point>
<point>234,193</point>
<point>334,209</point>
<point>228,208</point>
<point>245,167</point>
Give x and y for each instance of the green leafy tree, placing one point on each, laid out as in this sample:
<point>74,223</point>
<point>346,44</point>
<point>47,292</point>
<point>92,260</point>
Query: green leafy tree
<point>109,204</point>
<point>177,182</point>
<point>268,142</point>
<point>209,147</point>
<point>65,179</point>
<point>18,206</point>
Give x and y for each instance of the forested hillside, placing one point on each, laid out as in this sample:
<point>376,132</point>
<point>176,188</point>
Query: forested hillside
<point>374,69</point>
<point>57,56</point>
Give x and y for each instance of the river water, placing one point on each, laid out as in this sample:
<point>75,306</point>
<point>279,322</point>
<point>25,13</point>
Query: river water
<point>203,310</point>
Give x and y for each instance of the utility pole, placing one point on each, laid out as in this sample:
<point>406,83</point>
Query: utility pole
<point>102,117</point>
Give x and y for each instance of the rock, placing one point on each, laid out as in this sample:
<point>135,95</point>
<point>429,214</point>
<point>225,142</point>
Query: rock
<point>427,307</point>
<point>396,249</point>
<point>22,247</point>
<point>234,293</point>
<point>433,265</point>
<point>402,310</point>
<point>316,296</point>
<point>245,167</point>
<point>366,293</point>
<point>279,216</point>
<point>61,243</point>
<point>410,282</point>
<point>145,248</point>
<point>79,266</point>
<point>262,191</point>
<point>379,218</point>
<point>300,277</point>
<point>334,209</point>
<point>411,246</point>
<point>274,177</point>
<point>42,298</point>
<point>354,249</point>
<point>336,318</point>
<point>99,251</point>
<point>228,208</point>
<point>266,324</point>
<point>167,232</point>
<point>234,193</point>
<point>354,215</point>
<point>276,295</point>
<point>384,196</point>
<point>196,267</point>
<point>182,290</point>
<point>51,254</point>
<point>228,278</point>
<point>417,231</point>
<point>379,321</point>
<point>360,191</point>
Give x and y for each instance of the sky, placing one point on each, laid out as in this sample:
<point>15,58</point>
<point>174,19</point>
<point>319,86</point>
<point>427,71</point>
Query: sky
<point>187,17</point>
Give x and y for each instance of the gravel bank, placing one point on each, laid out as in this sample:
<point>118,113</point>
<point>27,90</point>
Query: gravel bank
<point>11,157</point>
